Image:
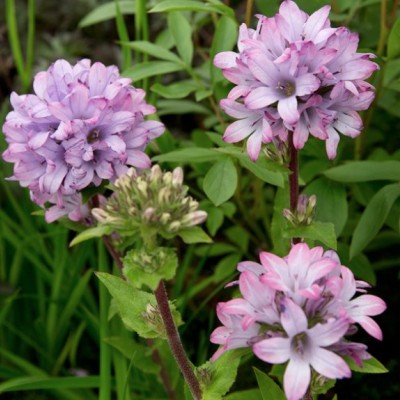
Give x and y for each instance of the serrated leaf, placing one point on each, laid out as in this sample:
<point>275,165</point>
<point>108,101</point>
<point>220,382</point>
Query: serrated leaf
<point>223,372</point>
<point>370,366</point>
<point>107,11</point>
<point>269,389</point>
<point>97,231</point>
<point>141,268</point>
<point>220,181</point>
<point>133,304</point>
<point>181,31</point>
<point>393,45</point>
<point>151,68</point>
<point>373,217</point>
<point>152,50</point>
<point>322,231</point>
<point>177,90</point>
<point>364,171</point>
<point>194,235</point>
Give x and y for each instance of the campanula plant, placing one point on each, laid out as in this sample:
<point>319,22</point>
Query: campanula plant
<point>250,222</point>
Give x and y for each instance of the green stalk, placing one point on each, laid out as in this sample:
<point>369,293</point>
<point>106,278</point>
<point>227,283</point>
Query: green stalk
<point>249,11</point>
<point>141,33</point>
<point>123,36</point>
<point>15,45</point>
<point>105,350</point>
<point>30,44</point>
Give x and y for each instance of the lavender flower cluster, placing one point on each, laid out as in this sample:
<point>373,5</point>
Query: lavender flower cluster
<point>83,125</point>
<point>295,73</point>
<point>298,309</point>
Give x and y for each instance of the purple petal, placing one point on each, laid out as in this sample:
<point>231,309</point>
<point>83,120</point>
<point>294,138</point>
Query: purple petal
<point>261,97</point>
<point>287,109</point>
<point>274,351</point>
<point>328,333</point>
<point>296,379</point>
<point>307,84</point>
<point>293,319</point>
<point>316,22</point>
<point>329,364</point>
<point>254,145</point>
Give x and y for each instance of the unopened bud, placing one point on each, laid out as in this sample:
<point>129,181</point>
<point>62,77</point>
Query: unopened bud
<point>156,173</point>
<point>148,214</point>
<point>174,226</point>
<point>177,177</point>
<point>167,178</point>
<point>165,217</point>
<point>142,186</point>
<point>287,214</point>
<point>194,218</point>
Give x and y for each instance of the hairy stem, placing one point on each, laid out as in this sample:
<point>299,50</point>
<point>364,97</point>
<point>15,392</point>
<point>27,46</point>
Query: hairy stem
<point>175,343</point>
<point>155,353</point>
<point>293,178</point>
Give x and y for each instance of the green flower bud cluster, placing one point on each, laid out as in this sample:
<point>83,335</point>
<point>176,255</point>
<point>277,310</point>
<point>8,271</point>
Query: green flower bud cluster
<point>304,213</point>
<point>149,203</point>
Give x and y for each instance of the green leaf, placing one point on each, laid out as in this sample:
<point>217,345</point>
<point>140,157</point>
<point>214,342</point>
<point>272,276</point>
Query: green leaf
<point>194,235</point>
<point>225,38</point>
<point>97,231</point>
<point>151,68</point>
<point>269,389</point>
<point>167,107</point>
<point>189,155</point>
<point>265,170</point>
<point>133,304</point>
<point>38,383</point>
<point>222,373</point>
<point>142,268</point>
<point>107,11</point>
<point>373,217</point>
<point>191,5</point>
<point>393,45</point>
<point>215,219</point>
<point>370,366</point>
<point>177,90</point>
<point>322,231</point>
<point>331,202</point>
<point>362,268</point>
<point>138,354</point>
<point>279,223</point>
<point>364,171</point>
<point>250,394</point>
<point>181,31</point>
<point>152,50</point>
<point>220,181</point>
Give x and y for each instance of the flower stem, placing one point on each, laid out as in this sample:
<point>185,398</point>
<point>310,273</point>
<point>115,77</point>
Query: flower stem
<point>293,178</point>
<point>175,341</point>
<point>155,353</point>
<point>249,11</point>
<point>105,351</point>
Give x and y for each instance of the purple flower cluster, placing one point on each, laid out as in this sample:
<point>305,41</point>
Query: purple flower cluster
<point>295,73</point>
<point>298,309</point>
<point>83,125</point>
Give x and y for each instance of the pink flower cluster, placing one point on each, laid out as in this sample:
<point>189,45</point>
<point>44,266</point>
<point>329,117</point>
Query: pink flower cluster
<point>83,125</point>
<point>295,73</point>
<point>298,309</point>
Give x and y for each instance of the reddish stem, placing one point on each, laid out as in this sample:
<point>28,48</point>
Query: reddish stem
<point>175,343</point>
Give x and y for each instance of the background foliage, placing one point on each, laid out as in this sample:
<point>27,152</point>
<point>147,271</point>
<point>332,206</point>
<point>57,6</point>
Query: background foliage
<point>50,324</point>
